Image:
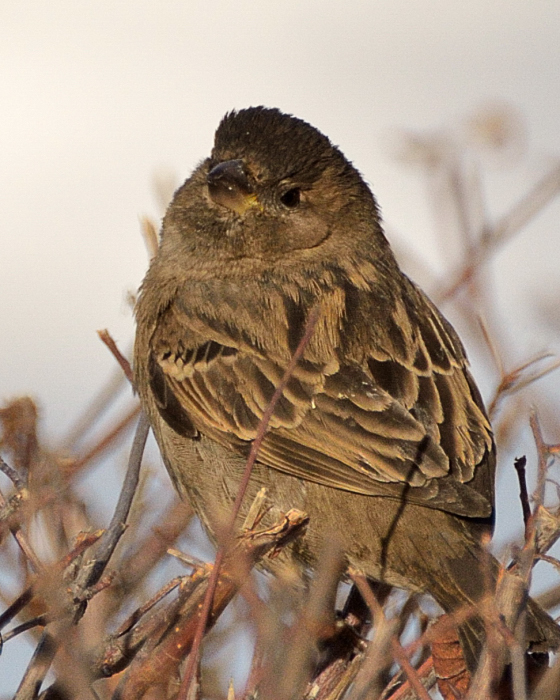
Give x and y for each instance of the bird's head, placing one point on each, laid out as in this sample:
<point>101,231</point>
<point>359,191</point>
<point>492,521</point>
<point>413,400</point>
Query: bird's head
<point>274,186</point>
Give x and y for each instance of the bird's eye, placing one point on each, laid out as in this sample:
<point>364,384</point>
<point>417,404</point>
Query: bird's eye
<point>291,198</point>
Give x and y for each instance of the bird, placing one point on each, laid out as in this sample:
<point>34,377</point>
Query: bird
<point>380,436</point>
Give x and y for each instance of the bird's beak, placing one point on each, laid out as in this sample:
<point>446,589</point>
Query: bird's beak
<point>229,186</point>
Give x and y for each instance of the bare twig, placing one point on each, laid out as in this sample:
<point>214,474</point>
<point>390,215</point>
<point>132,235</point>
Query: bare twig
<point>12,474</point>
<point>105,443</point>
<point>22,540</point>
<point>16,607</point>
<point>162,662</point>
<point>542,453</point>
<point>39,621</point>
<point>263,426</point>
<point>98,405</point>
<point>91,573</point>
<point>117,354</point>
<point>56,570</point>
<point>519,463</point>
<point>520,378</point>
<point>150,236</point>
<point>399,654</point>
<point>510,224</point>
<point>37,669</point>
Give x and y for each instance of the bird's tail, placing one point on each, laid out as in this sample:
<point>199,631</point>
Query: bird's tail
<point>465,585</point>
<point>542,634</point>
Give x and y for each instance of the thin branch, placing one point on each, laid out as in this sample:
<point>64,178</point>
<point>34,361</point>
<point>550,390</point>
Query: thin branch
<point>262,428</point>
<point>103,444</point>
<point>542,452</point>
<point>37,669</point>
<point>16,607</point>
<point>29,593</point>
<point>91,573</point>
<point>39,621</point>
<point>509,225</point>
<point>411,673</point>
<point>150,235</point>
<point>91,414</point>
<point>106,337</point>
<point>157,664</point>
<point>519,463</point>
<point>12,474</point>
<point>21,539</point>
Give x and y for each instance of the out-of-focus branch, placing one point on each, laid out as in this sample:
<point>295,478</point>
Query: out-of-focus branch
<point>158,665</point>
<point>493,237</point>
<point>91,573</point>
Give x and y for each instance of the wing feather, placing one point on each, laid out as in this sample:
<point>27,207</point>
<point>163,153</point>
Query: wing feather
<point>396,413</point>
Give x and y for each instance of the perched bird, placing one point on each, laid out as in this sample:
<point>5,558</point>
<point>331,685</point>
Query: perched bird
<point>381,435</point>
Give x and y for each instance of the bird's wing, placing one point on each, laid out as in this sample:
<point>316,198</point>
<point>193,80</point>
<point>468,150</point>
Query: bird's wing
<point>403,425</point>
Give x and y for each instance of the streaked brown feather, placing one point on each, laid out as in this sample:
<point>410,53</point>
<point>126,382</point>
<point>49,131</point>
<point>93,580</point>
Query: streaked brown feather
<point>405,415</point>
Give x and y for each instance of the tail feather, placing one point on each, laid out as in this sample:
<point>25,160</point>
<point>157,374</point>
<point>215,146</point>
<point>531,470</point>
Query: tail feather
<point>542,634</point>
<point>472,636</point>
<point>465,586</point>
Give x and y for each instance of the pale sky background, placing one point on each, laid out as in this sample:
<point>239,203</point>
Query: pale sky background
<point>100,97</point>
